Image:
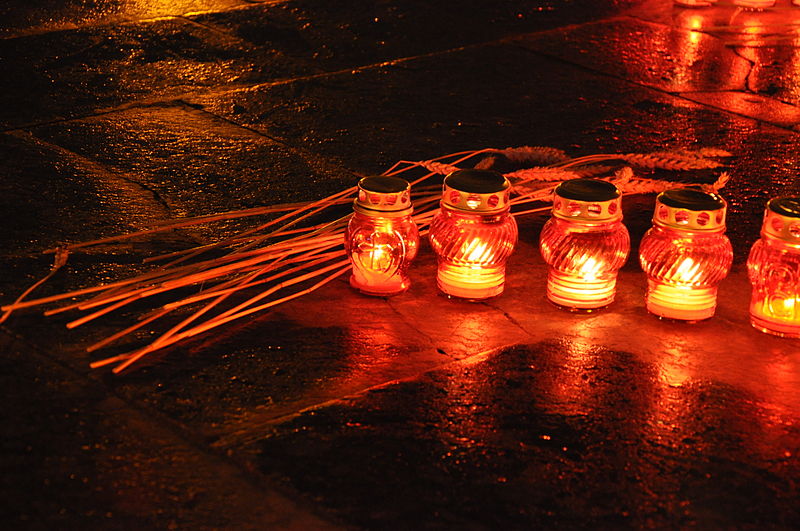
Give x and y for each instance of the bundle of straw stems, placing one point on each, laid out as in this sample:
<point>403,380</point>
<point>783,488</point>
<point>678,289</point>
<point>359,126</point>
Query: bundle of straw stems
<point>287,260</point>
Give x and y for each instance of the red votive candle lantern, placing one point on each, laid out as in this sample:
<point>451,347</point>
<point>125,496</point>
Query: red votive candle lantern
<point>381,238</point>
<point>774,270</point>
<point>473,234</point>
<point>686,254</point>
<point>585,244</point>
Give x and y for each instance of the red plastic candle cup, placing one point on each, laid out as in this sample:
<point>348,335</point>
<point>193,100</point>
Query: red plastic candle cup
<point>686,254</point>
<point>584,244</point>
<point>774,270</point>
<point>473,234</point>
<point>381,238</point>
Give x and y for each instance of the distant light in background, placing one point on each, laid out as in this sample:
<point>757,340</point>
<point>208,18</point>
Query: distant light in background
<point>585,244</point>
<point>686,254</point>
<point>695,3</point>
<point>694,25</point>
<point>473,234</point>
<point>774,270</point>
<point>754,4</point>
<point>381,238</point>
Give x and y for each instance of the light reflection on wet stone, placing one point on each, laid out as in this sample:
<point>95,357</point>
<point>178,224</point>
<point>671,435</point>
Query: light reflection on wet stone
<point>549,434</point>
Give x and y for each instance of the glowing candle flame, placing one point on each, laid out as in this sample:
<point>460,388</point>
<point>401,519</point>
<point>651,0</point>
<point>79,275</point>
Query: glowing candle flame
<point>590,269</point>
<point>687,271</point>
<point>476,253</point>
<point>376,258</point>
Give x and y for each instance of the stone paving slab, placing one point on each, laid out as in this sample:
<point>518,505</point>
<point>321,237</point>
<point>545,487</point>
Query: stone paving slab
<point>74,455</point>
<point>202,164</point>
<point>368,120</point>
<point>363,32</point>
<point>553,434</point>
<point>105,67</point>
<point>101,67</point>
<point>659,56</point>
<point>23,18</point>
<point>372,118</point>
<point>762,108</point>
<point>47,198</point>
<point>775,71</point>
<point>765,38</point>
<point>725,349</point>
<point>229,384</point>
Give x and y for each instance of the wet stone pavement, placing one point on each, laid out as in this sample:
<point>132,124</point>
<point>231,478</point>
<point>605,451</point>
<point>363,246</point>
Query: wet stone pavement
<point>343,411</point>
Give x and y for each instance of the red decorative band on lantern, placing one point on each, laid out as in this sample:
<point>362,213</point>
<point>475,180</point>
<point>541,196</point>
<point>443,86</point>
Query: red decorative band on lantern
<point>686,254</point>
<point>473,234</point>
<point>774,270</point>
<point>690,209</point>
<point>585,244</point>
<point>390,196</point>
<point>587,201</point>
<point>782,220</point>
<point>476,191</point>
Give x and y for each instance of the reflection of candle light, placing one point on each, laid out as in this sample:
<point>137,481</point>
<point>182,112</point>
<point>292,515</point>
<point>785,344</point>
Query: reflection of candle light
<point>695,22</point>
<point>695,3</point>
<point>774,270</point>
<point>473,234</point>
<point>686,254</point>
<point>381,238</point>
<point>674,366</point>
<point>754,4</point>
<point>585,244</point>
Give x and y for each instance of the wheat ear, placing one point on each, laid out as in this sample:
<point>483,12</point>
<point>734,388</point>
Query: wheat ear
<point>534,154</point>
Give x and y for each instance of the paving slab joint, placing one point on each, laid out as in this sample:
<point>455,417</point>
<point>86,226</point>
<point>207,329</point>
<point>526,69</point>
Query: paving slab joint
<point>510,318</point>
<point>411,325</point>
<point>747,78</point>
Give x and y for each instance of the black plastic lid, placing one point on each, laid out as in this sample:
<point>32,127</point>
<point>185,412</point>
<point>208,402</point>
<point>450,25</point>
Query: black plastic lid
<point>587,190</point>
<point>785,206</point>
<point>691,199</point>
<point>476,181</point>
<point>383,184</point>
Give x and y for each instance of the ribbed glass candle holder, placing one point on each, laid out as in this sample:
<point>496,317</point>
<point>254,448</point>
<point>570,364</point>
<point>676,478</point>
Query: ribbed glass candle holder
<point>473,234</point>
<point>585,244</point>
<point>686,254</point>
